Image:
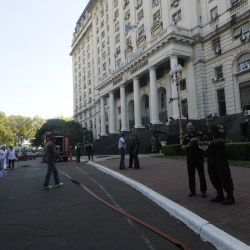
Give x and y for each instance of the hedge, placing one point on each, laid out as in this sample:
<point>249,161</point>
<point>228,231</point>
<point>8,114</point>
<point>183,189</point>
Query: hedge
<point>235,151</point>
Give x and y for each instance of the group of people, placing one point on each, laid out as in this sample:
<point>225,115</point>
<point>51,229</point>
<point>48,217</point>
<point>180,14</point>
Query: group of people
<point>133,148</point>
<point>7,159</point>
<point>211,142</point>
<point>89,151</point>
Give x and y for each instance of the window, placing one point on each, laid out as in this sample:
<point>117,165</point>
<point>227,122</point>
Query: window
<point>156,16</point>
<point>104,66</point>
<point>183,84</point>
<point>163,100</point>
<point>139,4</point>
<point>176,16</point>
<point>126,3</point>
<point>116,14</point>
<point>140,15</point>
<point>174,3</point>
<point>119,110</point>
<point>214,13</point>
<point>235,2</point>
<point>128,41</point>
<point>127,15</point>
<point>243,30</point>
<point>221,102</point>
<point>117,27</point>
<point>244,94</point>
<point>115,3</point>
<point>184,107</point>
<point>218,72</point>
<point>217,46</point>
<point>117,38</point>
<point>155,2</point>
<point>141,30</point>
<point>118,51</point>
<point>103,33</point>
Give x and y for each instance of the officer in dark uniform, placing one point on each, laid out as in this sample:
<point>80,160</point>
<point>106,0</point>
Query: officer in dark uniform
<point>195,160</point>
<point>133,152</point>
<point>218,166</point>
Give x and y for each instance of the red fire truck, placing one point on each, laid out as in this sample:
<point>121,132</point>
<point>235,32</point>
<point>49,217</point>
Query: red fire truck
<point>62,145</point>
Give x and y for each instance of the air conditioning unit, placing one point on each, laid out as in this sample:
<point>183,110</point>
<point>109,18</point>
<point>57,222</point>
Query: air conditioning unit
<point>218,51</point>
<point>247,112</point>
<point>243,38</point>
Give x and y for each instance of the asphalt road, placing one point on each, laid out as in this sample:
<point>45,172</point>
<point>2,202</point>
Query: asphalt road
<point>69,218</point>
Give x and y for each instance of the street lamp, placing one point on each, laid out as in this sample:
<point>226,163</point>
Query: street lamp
<point>176,73</point>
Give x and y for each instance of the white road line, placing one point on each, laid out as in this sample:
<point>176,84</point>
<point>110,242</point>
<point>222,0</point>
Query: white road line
<point>220,239</point>
<point>131,223</point>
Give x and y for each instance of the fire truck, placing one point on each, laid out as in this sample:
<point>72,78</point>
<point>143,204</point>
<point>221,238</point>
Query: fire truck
<point>62,144</point>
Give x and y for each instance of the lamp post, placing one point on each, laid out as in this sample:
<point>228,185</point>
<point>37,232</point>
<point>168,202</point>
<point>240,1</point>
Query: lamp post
<point>176,73</point>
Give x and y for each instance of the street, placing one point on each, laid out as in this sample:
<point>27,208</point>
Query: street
<point>69,218</point>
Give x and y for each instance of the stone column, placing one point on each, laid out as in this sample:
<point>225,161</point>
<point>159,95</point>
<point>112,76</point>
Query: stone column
<point>192,96</point>
<point>111,113</point>
<point>123,109</point>
<point>102,114</point>
<point>174,64</point>
<point>137,104</point>
<point>153,98</point>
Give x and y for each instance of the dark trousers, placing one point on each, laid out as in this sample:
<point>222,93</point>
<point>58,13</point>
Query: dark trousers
<point>193,165</point>
<point>90,155</point>
<point>133,158</point>
<point>51,169</point>
<point>11,164</point>
<point>78,158</point>
<point>122,160</point>
<point>220,174</point>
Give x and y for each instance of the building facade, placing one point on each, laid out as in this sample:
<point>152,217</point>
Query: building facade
<point>123,51</point>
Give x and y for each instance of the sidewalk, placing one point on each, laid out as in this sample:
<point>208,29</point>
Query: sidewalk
<point>169,178</point>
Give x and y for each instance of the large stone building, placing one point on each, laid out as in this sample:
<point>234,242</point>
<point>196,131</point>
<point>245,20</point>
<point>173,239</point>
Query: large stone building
<point>124,50</point>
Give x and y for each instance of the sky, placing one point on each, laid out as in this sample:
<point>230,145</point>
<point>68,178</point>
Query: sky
<point>35,65</point>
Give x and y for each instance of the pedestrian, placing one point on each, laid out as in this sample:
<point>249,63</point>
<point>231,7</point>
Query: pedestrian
<point>195,160</point>
<point>133,152</point>
<point>217,161</point>
<point>89,150</point>
<point>5,152</point>
<point>2,172</point>
<point>122,149</point>
<point>11,158</point>
<point>78,153</point>
<point>50,156</point>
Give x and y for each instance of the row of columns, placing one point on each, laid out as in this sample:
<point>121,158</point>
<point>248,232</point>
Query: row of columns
<point>153,101</point>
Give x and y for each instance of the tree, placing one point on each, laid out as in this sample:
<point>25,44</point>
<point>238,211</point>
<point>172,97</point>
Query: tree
<point>6,134</point>
<point>62,126</point>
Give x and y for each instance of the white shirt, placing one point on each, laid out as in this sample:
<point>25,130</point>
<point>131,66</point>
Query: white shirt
<point>12,154</point>
<point>2,154</point>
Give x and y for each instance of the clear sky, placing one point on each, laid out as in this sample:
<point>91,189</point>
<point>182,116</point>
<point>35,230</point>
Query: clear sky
<point>35,66</point>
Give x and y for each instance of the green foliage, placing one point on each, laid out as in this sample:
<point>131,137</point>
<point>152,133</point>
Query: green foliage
<point>238,151</point>
<point>172,150</point>
<point>62,126</point>
<point>15,129</point>
<point>235,151</point>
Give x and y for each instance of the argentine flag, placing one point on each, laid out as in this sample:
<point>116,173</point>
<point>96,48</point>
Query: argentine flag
<point>129,27</point>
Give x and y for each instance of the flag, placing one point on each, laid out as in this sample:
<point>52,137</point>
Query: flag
<point>129,27</point>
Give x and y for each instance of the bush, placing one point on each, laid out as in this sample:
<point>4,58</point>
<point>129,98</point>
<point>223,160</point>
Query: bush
<point>172,150</point>
<point>235,151</point>
<point>238,151</point>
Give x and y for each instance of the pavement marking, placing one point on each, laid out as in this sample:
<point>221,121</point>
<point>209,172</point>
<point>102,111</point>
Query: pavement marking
<point>130,222</point>
<point>207,231</point>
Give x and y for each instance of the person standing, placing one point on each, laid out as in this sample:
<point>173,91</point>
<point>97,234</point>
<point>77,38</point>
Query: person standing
<point>78,153</point>
<point>122,149</point>
<point>195,160</point>
<point>89,149</point>
<point>133,152</point>
<point>218,166</point>
<point>5,152</point>
<point>11,157</point>
<point>1,162</point>
<point>50,156</point>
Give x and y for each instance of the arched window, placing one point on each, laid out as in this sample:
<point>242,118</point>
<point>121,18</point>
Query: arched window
<point>244,94</point>
<point>243,63</point>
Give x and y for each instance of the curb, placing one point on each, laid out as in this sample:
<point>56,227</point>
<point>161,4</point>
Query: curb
<point>207,231</point>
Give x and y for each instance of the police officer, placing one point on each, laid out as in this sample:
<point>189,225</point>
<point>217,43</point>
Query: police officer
<point>133,152</point>
<point>218,166</point>
<point>195,160</point>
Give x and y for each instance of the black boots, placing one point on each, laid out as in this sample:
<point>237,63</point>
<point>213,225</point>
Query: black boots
<point>229,199</point>
<point>218,198</point>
